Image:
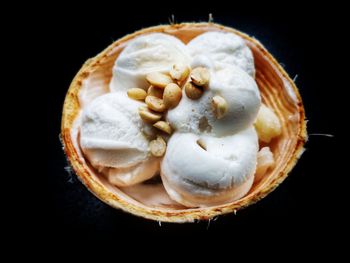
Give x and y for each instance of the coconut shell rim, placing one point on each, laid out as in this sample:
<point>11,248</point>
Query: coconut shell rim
<point>71,109</point>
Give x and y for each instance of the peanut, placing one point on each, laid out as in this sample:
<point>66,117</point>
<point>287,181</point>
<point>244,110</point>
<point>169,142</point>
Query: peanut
<point>149,116</point>
<point>137,94</point>
<point>179,72</point>
<point>157,146</point>
<point>154,91</point>
<point>200,76</point>
<point>220,106</point>
<point>163,126</point>
<point>192,91</point>
<point>172,95</point>
<point>155,103</point>
<point>158,79</point>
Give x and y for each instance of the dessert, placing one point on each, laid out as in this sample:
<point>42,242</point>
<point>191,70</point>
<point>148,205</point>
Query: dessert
<point>204,106</point>
<point>152,53</point>
<point>221,172</point>
<point>110,138</point>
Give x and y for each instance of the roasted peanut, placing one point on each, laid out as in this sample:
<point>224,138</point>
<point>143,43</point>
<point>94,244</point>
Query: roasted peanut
<point>158,79</point>
<point>220,106</point>
<point>163,126</point>
<point>172,95</point>
<point>155,103</point>
<point>149,116</point>
<point>157,146</point>
<point>192,91</point>
<point>137,94</point>
<point>200,76</point>
<point>156,92</point>
<point>179,72</point>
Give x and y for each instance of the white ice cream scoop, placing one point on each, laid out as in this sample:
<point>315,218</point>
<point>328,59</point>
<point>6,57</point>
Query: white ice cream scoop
<point>225,48</point>
<point>154,52</point>
<point>200,170</point>
<point>111,138</point>
<point>235,86</point>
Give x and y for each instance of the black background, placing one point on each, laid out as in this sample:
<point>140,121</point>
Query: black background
<point>305,40</point>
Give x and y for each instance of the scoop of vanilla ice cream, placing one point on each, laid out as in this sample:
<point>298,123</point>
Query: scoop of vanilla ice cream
<point>235,86</point>
<point>154,52</point>
<point>111,138</point>
<point>221,172</point>
<point>223,47</point>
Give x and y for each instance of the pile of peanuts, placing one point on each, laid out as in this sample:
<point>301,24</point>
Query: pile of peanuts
<point>165,92</point>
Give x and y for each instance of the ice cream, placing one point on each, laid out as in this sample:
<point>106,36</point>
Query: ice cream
<point>214,171</point>
<point>150,53</point>
<point>236,87</point>
<point>224,48</point>
<point>111,138</point>
<point>209,160</point>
